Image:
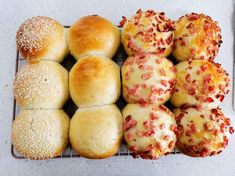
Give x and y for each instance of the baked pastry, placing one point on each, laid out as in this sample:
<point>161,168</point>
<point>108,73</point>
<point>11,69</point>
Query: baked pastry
<point>96,132</point>
<point>200,82</point>
<point>41,85</point>
<point>94,80</point>
<point>149,130</point>
<point>148,32</point>
<point>147,79</point>
<point>93,35</point>
<point>41,38</point>
<point>202,132</point>
<point>41,134</point>
<point>197,36</point>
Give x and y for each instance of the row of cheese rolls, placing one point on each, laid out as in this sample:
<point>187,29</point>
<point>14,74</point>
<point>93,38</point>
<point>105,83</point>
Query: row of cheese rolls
<point>196,86</point>
<point>42,86</point>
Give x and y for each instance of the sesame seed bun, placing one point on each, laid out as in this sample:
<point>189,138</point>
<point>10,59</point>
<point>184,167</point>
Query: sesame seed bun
<point>41,38</point>
<point>41,85</point>
<point>40,134</point>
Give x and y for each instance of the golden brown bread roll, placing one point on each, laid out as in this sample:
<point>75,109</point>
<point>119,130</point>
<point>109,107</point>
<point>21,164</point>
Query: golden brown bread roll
<point>94,80</point>
<point>147,79</point>
<point>96,132</point>
<point>41,85</point>
<point>148,32</point>
<point>41,134</point>
<point>201,83</point>
<point>41,38</point>
<point>93,35</point>
<point>202,132</point>
<point>197,36</point>
<point>149,130</point>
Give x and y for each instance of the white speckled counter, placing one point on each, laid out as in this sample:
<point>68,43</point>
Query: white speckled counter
<point>13,13</point>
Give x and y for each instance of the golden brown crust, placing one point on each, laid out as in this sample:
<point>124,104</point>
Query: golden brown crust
<point>94,80</point>
<point>200,82</point>
<point>202,132</point>
<point>96,132</point>
<point>93,35</point>
<point>40,134</point>
<point>41,38</point>
<point>197,36</point>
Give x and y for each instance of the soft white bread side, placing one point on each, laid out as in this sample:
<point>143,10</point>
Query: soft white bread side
<point>42,38</point>
<point>41,85</point>
<point>93,35</point>
<point>94,80</point>
<point>96,132</point>
<point>41,134</point>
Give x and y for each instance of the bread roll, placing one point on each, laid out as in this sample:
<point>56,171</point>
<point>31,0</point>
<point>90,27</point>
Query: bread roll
<point>148,32</point>
<point>41,38</point>
<point>149,130</point>
<point>93,35</point>
<point>41,85</point>
<point>147,79</point>
<point>202,132</point>
<point>41,134</point>
<point>197,36</point>
<point>94,80</point>
<point>201,83</point>
<point>96,132</point>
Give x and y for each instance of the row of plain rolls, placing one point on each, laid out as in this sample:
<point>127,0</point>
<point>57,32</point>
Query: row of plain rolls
<point>195,87</point>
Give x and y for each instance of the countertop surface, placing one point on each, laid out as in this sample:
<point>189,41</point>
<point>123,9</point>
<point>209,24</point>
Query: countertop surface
<point>13,13</point>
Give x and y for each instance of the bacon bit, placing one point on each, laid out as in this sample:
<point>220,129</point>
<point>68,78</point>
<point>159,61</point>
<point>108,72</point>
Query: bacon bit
<point>231,130</point>
<point>166,137</point>
<point>209,100</point>
<point>162,72</point>
<point>149,133</point>
<point>169,39</point>
<point>198,72</point>
<point>153,116</point>
<point>139,11</point>
<point>179,117</point>
<point>192,17</point>
<point>133,148</point>
<point>222,127</point>
<point>192,91</point>
<point>216,132</point>
<point>158,146</point>
<point>146,76</point>
<point>164,83</point>
<point>171,145</point>
<point>188,78</point>
<point>227,121</point>
<point>191,140</point>
<point>142,102</point>
<point>127,75</point>
<point>163,108</point>
<point>173,128</point>
<point>162,126</point>
<point>193,128</point>
<point>191,25</point>
<point>207,78</point>
<point>208,126</point>
<point>159,60</point>
<point>123,21</point>
<point>211,88</point>
<point>204,67</point>
<point>129,123</point>
<point>146,67</point>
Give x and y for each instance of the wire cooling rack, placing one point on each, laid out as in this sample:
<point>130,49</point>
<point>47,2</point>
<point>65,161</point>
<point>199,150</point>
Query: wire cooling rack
<point>70,107</point>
